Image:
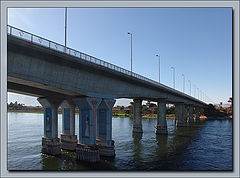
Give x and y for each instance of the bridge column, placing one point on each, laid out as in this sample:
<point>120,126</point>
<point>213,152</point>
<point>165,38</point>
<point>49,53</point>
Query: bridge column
<point>104,128</point>
<point>191,118</point>
<point>137,116</point>
<point>161,127</point>
<point>50,141</point>
<point>201,110</point>
<point>180,114</point>
<point>68,137</point>
<point>197,118</point>
<point>87,149</point>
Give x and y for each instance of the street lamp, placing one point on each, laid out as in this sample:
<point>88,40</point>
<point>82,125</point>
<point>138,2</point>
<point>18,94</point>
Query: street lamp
<point>195,91</point>
<point>183,82</point>
<point>173,76</point>
<point>159,65</point>
<point>131,51</point>
<point>198,92</point>
<point>65,30</point>
<point>190,86</point>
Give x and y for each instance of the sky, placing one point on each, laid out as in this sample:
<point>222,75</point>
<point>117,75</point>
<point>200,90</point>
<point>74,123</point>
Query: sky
<point>197,42</point>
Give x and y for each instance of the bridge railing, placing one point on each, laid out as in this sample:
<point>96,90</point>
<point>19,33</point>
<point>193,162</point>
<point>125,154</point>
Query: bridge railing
<point>34,39</point>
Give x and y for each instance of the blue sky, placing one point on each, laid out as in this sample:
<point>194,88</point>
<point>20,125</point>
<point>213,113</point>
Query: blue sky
<point>197,42</point>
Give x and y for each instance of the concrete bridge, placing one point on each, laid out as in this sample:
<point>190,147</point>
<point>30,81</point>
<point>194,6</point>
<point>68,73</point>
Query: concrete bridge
<point>64,77</point>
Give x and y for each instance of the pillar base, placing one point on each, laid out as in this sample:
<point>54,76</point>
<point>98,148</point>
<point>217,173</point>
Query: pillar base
<point>137,129</point>
<point>180,124</point>
<point>68,142</point>
<point>106,147</point>
<point>161,130</point>
<point>51,146</point>
<point>87,153</point>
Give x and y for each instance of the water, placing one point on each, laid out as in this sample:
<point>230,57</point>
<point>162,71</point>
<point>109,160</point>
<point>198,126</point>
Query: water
<point>205,145</point>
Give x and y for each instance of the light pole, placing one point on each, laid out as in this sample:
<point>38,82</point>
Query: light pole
<point>195,91</point>
<point>159,66</point>
<point>65,30</point>
<point>183,82</point>
<point>190,86</point>
<point>131,51</point>
<point>173,76</point>
<point>198,92</point>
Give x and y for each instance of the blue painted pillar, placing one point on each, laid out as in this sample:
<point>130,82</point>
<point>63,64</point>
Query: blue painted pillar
<point>50,140</point>
<point>87,149</point>
<point>104,128</point>
<point>68,137</point>
<point>87,119</point>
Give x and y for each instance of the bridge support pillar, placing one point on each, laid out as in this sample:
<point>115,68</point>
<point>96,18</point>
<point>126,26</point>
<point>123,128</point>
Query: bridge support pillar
<point>87,150</point>
<point>191,118</point>
<point>197,117</point>
<point>180,114</point>
<point>137,116</point>
<point>68,137</point>
<point>201,110</point>
<point>50,141</point>
<point>161,127</point>
<point>104,128</point>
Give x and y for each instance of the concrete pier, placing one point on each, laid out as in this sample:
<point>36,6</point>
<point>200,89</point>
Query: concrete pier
<point>87,150</point>
<point>161,127</point>
<point>104,128</point>
<point>197,117</point>
<point>68,137</point>
<point>137,116</point>
<point>180,114</point>
<point>50,141</point>
<point>191,118</point>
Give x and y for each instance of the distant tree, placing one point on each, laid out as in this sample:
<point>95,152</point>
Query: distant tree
<point>152,105</point>
<point>121,108</point>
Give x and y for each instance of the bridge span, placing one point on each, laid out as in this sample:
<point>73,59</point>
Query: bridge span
<point>64,77</point>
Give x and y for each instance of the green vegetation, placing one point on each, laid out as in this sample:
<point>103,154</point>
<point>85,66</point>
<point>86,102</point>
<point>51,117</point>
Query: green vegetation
<point>149,110</point>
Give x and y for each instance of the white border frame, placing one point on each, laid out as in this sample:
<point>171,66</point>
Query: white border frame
<point>3,93</point>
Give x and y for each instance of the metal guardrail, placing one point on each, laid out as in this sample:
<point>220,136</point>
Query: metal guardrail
<point>34,39</point>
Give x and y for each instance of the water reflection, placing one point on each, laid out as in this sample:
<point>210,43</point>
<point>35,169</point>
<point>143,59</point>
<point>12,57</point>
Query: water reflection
<point>162,145</point>
<point>137,146</point>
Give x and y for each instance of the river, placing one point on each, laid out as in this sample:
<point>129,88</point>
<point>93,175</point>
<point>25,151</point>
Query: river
<point>205,145</point>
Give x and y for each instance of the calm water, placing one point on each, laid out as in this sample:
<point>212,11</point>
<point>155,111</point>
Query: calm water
<point>204,145</point>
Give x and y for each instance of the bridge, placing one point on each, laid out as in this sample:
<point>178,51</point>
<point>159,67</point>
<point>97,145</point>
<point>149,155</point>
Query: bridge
<point>61,76</point>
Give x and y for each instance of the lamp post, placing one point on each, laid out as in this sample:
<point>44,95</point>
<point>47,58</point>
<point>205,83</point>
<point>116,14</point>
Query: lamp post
<point>159,66</point>
<point>183,82</point>
<point>173,76</point>
<point>195,91</point>
<point>131,51</point>
<point>190,86</point>
<point>65,49</point>
<point>198,92</point>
